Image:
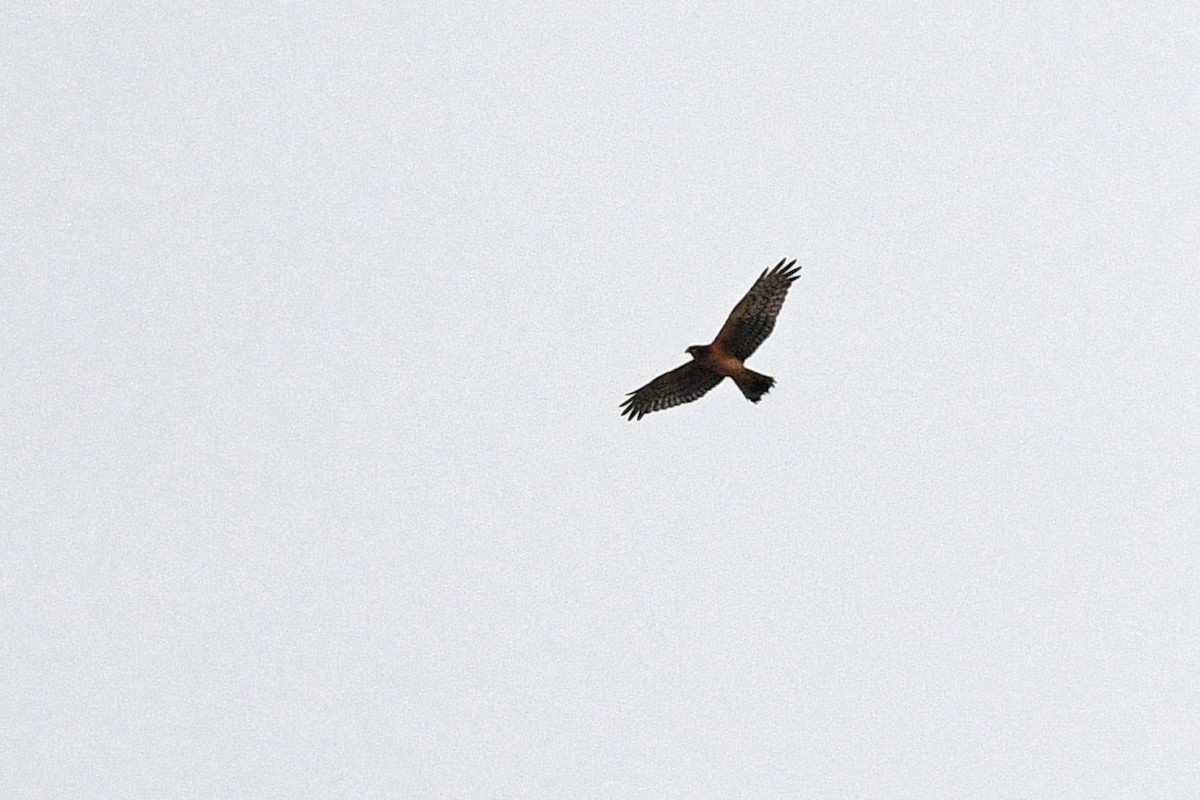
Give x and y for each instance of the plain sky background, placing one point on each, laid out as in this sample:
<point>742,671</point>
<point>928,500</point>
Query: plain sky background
<point>314,324</point>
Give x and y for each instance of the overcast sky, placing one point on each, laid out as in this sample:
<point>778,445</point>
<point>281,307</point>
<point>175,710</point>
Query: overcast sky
<point>313,329</point>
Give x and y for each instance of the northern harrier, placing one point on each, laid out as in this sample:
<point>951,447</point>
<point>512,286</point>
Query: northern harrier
<point>749,324</point>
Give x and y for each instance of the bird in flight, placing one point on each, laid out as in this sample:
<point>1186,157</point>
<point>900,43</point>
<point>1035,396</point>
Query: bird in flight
<point>749,324</point>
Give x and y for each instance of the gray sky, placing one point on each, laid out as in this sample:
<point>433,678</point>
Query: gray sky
<point>315,323</point>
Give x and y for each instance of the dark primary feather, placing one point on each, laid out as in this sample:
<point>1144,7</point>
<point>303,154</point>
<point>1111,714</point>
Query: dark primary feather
<point>680,385</point>
<point>753,319</point>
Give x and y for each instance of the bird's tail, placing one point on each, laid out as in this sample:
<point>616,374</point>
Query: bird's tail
<point>753,384</point>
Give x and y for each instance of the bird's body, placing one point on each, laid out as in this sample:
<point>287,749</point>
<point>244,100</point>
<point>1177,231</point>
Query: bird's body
<point>720,361</point>
<point>749,324</point>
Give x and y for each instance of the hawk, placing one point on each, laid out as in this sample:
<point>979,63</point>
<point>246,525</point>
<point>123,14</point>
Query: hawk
<point>749,324</point>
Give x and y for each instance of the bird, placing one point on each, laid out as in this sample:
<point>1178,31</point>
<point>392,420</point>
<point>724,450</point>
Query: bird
<point>749,324</point>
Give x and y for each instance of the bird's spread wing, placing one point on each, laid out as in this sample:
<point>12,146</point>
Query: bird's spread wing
<point>753,319</point>
<point>681,385</point>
